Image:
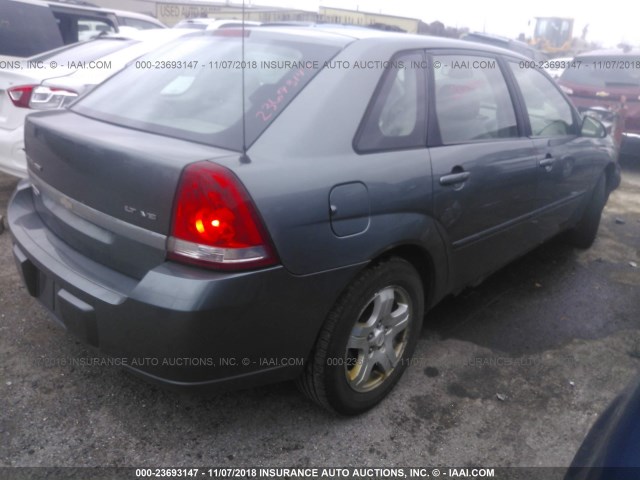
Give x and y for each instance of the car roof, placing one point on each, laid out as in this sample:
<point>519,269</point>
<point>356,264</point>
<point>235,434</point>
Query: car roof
<point>497,39</point>
<point>488,36</point>
<point>404,40</point>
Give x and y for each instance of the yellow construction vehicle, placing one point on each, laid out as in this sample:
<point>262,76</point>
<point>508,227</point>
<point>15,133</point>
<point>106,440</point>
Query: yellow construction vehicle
<point>554,35</point>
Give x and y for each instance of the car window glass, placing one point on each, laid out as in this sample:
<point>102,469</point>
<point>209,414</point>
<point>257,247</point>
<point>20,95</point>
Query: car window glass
<point>137,23</point>
<point>88,29</point>
<point>18,41</point>
<point>472,99</point>
<point>198,97</point>
<point>395,117</point>
<point>73,25</point>
<point>549,113</point>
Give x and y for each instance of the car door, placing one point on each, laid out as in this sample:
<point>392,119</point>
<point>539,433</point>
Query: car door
<point>484,167</point>
<point>566,163</point>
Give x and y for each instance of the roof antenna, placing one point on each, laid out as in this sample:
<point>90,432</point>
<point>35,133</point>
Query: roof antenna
<point>244,158</point>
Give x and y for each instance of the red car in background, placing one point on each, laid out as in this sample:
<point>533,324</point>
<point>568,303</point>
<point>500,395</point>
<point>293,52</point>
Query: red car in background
<point>607,83</point>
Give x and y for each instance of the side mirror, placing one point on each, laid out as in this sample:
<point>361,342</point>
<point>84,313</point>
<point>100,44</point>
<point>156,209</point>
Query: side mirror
<point>592,127</point>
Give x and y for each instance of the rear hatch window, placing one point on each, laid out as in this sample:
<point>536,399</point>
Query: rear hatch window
<point>27,29</point>
<point>193,88</point>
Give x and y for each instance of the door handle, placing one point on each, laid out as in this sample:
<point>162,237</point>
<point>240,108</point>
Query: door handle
<point>454,178</point>
<point>546,162</point>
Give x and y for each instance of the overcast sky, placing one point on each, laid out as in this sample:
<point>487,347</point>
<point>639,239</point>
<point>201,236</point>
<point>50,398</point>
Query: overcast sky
<point>610,22</point>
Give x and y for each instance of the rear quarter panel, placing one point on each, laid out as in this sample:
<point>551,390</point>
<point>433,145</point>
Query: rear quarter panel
<point>308,150</point>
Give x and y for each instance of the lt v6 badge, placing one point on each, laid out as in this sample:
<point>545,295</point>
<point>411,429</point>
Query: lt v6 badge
<point>142,213</point>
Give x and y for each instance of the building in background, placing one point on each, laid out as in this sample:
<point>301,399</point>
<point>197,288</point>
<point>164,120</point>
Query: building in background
<point>171,12</point>
<point>368,19</point>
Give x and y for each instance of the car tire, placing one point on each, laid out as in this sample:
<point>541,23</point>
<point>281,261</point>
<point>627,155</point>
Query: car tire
<point>367,339</point>
<point>584,233</point>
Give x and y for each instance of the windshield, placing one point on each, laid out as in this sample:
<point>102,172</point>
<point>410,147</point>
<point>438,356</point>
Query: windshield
<point>192,88</point>
<point>606,71</point>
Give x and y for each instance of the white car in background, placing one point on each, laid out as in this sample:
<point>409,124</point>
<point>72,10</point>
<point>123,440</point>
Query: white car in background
<point>89,29</point>
<point>31,27</point>
<point>139,21</point>
<point>556,66</point>
<point>54,79</point>
<point>213,23</point>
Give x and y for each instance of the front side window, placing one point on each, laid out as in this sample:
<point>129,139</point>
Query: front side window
<point>550,115</point>
<point>472,99</point>
<point>395,117</point>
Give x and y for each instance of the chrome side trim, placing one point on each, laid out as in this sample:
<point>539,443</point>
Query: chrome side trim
<point>112,224</point>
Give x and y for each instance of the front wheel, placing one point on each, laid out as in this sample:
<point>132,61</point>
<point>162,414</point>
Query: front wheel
<point>367,339</point>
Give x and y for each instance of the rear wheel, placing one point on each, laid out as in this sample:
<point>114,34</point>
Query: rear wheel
<point>584,233</point>
<point>367,339</point>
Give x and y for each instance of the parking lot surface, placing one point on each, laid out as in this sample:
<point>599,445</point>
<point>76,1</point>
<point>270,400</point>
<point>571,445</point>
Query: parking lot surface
<point>510,373</point>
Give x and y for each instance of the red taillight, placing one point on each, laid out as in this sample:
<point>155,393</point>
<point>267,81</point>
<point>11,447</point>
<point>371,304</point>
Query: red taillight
<point>215,224</point>
<point>39,97</point>
<point>21,95</point>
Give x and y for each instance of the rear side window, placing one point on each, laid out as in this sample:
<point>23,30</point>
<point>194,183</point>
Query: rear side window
<point>395,118</point>
<point>550,115</point>
<point>192,88</point>
<point>19,41</point>
<point>472,99</point>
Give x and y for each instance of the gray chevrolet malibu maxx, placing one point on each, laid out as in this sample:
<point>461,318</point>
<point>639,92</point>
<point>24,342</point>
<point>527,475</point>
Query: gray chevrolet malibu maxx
<point>255,206</point>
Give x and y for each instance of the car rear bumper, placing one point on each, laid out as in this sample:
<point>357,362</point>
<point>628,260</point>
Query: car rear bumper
<point>179,326</point>
<point>12,157</point>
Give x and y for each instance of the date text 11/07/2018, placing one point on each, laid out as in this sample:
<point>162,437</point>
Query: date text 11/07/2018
<point>312,472</point>
<point>579,64</point>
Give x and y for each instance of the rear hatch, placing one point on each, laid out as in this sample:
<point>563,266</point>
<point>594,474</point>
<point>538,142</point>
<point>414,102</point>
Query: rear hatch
<point>106,172</point>
<point>108,191</point>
